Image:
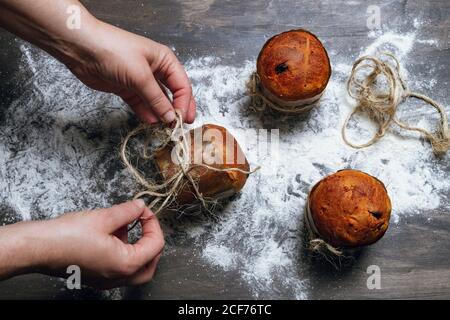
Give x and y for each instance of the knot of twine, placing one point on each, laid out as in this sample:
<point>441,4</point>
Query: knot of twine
<point>163,194</point>
<point>316,243</point>
<point>260,102</point>
<point>381,105</point>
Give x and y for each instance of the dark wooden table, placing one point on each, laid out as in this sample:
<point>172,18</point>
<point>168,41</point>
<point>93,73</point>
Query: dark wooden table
<point>414,255</point>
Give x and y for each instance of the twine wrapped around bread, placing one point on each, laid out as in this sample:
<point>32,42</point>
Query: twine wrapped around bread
<point>163,194</point>
<point>315,242</point>
<point>260,102</point>
<point>381,105</point>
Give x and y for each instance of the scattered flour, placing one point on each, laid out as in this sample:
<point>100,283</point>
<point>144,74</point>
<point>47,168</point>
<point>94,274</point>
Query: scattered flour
<point>219,255</point>
<point>53,142</point>
<point>262,229</point>
<point>418,23</point>
<point>57,153</point>
<point>399,44</point>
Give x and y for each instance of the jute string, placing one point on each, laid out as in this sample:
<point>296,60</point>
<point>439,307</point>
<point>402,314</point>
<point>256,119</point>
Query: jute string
<point>315,242</point>
<point>382,105</point>
<point>163,194</point>
<point>260,102</point>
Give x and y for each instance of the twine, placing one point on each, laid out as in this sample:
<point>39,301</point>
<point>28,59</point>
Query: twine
<point>164,194</point>
<point>316,243</point>
<point>260,102</point>
<point>381,105</point>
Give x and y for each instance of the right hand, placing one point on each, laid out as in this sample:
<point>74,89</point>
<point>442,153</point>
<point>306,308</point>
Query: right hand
<point>105,57</point>
<point>134,67</point>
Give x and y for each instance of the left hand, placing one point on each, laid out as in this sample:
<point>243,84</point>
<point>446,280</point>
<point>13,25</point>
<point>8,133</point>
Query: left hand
<point>95,241</point>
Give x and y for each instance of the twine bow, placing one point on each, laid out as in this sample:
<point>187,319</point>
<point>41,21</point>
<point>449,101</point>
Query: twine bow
<point>163,194</point>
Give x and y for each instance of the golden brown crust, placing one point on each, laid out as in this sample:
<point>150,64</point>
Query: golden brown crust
<point>294,65</point>
<point>350,208</point>
<point>211,184</point>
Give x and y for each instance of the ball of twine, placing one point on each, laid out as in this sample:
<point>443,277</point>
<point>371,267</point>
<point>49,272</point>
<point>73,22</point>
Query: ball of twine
<point>381,104</point>
<point>163,194</point>
<point>260,102</point>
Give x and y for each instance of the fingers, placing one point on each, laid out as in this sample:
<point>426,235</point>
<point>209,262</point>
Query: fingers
<point>122,234</point>
<point>143,257</point>
<point>155,99</point>
<point>144,113</point>
<point>150,244</point>
<point>191,111</point>
<point>136,103</point>
<point>163,89</point>
<point>121,215</point>
<point>173,75</point>
<point>146,273</point>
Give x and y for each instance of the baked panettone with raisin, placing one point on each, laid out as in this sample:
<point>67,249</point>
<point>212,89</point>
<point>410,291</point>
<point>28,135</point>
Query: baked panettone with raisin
<point>214,146</point>
<point>293,68</point>
<point>349,209</point>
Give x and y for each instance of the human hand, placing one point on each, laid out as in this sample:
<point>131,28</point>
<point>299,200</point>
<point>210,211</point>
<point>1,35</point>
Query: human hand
<point>96,241</point>
<point>137,69</point>
<point>105,58</point>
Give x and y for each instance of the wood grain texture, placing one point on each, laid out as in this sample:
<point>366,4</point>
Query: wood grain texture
<point>413,255</point>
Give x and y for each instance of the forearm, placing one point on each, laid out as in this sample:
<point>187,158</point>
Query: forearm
<point>24,248</point>
<point>44,23</point>
<point>104,57</point>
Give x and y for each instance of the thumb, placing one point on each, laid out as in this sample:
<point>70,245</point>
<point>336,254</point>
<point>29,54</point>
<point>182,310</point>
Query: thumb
<point>123,214</point>
<point>154,98</point>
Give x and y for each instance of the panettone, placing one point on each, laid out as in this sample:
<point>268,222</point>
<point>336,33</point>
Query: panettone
<point>349,209</point>
<point>294,68</point>
<point>215,143</point>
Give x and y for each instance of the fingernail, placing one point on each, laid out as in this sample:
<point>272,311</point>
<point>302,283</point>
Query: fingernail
<point>169,116</point>
<point>140,203</point>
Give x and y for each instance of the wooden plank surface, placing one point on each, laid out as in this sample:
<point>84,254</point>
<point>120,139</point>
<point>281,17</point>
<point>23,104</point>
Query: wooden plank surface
<point>414,256</point>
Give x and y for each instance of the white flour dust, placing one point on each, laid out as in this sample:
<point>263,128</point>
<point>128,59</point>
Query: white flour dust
<point>53,140</point>
<point>57,154</point>
<point>260,233</point>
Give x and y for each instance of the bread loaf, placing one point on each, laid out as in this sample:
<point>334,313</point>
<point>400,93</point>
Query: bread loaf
<point>294,68</point>
<point>350,208</point>
<point>215,144</point>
